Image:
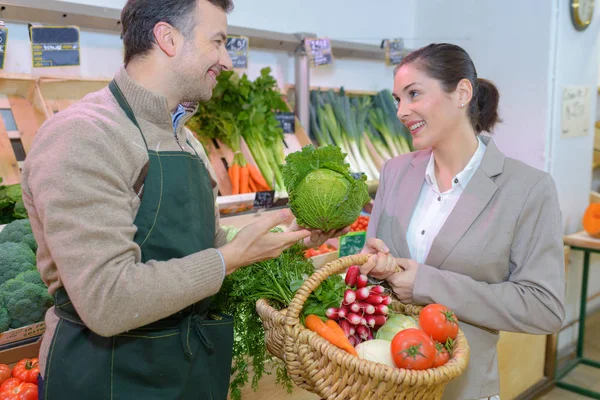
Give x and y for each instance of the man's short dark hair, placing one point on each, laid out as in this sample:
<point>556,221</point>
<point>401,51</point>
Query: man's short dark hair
<point>139,17</point>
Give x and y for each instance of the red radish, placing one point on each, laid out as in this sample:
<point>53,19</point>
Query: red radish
<point>374,299</point>
<point>363,321</point>
<point>356,307</point>
<point>349,296</point>
<point>382,309</point>
<point>352,275</point>
<point>362,281</point>
<point>352,341</point>
<point>363,332</point>
<point>377,290</point>
<point>387,300</point>
<point>376,320</point>
<point>343,312</point>
<point>362,294</point>
<point>333,313</point>
<point>366,307</point>
<point>354,319</point>
<point>345,325</point>
<point>370,337</point>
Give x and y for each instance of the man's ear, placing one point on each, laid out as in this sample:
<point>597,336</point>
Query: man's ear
<point>165,35</point>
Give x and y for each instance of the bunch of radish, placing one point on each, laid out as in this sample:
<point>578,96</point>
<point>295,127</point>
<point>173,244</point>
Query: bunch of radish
<point>363,310</point>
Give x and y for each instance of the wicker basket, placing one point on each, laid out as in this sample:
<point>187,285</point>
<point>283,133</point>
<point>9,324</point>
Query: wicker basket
<point>318,366</point>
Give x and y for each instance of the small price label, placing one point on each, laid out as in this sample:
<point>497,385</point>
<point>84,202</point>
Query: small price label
<point>287,121</point>
<point>394,51</point>
<point>3,39</point>
<point>237,47</point>
<point>352,243</point>
<point>357,175</point>
<point>54,46</point>
<point>264,199</point>
<point>319,51</point>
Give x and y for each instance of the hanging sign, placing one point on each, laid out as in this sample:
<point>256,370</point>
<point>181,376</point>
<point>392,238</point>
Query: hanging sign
<point>264,199</point>
<point>394,51</point>
<point>54,46</point>
<point>318,51</point>
<point>237,47</point>
<point>352,243</point>
<point>3,39</point>
<point>287,121</point>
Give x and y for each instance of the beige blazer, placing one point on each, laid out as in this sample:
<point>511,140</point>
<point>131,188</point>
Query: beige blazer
<point>497,262</point>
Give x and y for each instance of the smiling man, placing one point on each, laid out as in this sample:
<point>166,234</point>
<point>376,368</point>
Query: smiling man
<point>122,204</point>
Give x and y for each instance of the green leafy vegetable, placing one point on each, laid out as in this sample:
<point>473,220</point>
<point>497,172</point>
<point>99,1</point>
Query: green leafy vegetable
<point>11,203</point>
<point>322,193</point>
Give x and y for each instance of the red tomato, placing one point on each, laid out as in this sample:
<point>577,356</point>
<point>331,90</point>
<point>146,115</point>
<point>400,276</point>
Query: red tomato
<point>413,349</point>
<point>441,356</point>
<point>439,322</point>
<point>27,370</point>
<point>4,373</point>
<point>14,389</point>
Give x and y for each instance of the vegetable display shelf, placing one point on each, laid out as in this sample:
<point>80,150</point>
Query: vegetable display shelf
<point>22,113</point>
<point>59,93</point>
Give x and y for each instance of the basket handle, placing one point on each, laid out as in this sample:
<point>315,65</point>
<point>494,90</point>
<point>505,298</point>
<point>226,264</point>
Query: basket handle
<point>329,269</point>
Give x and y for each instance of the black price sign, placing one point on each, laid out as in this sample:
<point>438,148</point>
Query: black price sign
<point>287,121</point>
<point>352,243</point>
<point>237,47</point>
<point>319,51</point>
<point>394,51</point>
<point>54,46</point>
<point>3,39</point>
<point>264,199</point>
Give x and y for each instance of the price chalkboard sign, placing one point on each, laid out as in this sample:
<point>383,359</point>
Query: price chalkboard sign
<point>264,199</point>
<point>318,51</point>
<point>55,46</point>
<point>237,47</point>
<point>3,39</point>
<point>287,121</point>
<point>352,243</point>
<point>394,51</point>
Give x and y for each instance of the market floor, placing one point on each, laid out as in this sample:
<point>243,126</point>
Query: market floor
<point>584,376</point>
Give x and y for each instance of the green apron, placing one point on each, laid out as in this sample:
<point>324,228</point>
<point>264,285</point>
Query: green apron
<point>184,356</point>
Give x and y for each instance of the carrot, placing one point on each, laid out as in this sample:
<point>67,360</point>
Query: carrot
<point>252,185</point>
<point>234,176</point>
<point>591,220</point>
<point>258,178</point>
<point>244,188</point>
<point>315,324</point>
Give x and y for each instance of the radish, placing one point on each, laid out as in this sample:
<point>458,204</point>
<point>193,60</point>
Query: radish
<point>362,293</point>
<point>363,332</point>
<point>362,281</point>
<point>356,307</point>
<point>352,341</point>
<point>377,290</point>
<point>343,312</point>
<point>352,275</point>
<point>363,321</point>
<point>345,325</point>
<point>333,313</point>
<point>387,300</point>
<point>370,337</point>
<point>374,299</point>
<point>349,296</point>
<point>376,320</point>
<point>381,309</point>
<point>353,318</point>
<point>367,308</point>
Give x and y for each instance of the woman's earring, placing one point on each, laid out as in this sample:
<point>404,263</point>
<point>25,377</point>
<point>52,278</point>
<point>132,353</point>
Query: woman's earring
<point>462,105</point>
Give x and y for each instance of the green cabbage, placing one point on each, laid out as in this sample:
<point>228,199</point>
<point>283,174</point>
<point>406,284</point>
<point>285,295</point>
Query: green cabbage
<point>394,324</point>
<point>322,192</point>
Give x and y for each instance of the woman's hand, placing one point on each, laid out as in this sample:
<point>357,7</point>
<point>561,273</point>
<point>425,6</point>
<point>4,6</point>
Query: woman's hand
<point>403,282</point>
<point>317,237</point>
<point>381,264</point>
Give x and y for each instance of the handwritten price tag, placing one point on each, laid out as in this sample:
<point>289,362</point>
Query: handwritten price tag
<point>3,39</point>
<point>319,51</point>
<point>54,46</point>
<point>237,47</point>
<point>394,51</point>
<point>352,243</point>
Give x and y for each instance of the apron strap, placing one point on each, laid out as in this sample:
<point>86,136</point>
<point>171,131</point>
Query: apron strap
<point>120,97</point>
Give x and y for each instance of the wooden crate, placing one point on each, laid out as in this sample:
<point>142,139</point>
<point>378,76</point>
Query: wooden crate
<point>59,93</point>
<point>22,113</point>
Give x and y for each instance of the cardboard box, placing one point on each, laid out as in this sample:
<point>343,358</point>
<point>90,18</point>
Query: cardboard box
<point>23,333</point>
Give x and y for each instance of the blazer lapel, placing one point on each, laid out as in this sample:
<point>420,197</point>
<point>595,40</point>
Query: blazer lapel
<point>408,191</point>
<point>472,202</point>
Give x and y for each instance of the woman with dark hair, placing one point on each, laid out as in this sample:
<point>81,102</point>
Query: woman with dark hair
<point>458,223</point>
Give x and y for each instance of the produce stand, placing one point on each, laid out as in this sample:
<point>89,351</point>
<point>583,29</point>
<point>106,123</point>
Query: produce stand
<point>59,93</point>
<point>580,241</point>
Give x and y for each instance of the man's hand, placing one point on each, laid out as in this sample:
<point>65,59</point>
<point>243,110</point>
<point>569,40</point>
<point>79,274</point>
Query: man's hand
<point>256,243</point>
<point>403,282</point>
<point>318,237</point>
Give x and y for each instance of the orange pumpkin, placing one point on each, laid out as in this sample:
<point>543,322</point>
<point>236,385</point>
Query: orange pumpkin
<point>591,220</point>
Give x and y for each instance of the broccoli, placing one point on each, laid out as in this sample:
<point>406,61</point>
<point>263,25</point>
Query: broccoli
<point>26,302</point>
<point>14,259</point>
<point>19,231</point>
<point>4,318</point>
<point>31,276</point>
